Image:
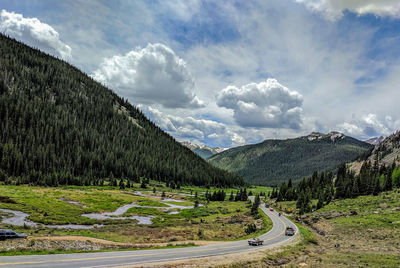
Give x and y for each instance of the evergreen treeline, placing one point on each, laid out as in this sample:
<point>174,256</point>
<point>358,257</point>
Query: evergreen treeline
<point>218,195</point>
<point>371,180</point>
<point>318,186</point>
<point>59,127</point>
<point>322,187</point>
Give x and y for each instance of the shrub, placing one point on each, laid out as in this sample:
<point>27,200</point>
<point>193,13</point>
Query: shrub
<point>251,228</point>
<point>200,233</point>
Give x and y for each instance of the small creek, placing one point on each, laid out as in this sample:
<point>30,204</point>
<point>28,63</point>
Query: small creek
<point>19,218</point>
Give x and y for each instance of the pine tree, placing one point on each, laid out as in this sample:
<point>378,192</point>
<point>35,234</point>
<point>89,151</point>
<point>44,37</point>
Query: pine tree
<point>377,188</point>
<point>320,203</point>
<point>388,183</point>
<point>256,204</point>
<point>121,185</point>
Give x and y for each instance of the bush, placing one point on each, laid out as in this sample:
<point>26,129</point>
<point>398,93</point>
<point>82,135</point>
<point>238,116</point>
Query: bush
<point>200,233</point>
<point>251,228</point>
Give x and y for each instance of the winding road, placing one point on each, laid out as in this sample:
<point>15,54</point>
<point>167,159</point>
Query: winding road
<point>274,237</point>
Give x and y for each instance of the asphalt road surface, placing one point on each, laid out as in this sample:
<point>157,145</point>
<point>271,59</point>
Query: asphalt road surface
<point>274,237</point>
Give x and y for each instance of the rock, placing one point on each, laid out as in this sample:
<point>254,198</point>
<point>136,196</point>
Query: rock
<point>302,259</point>
<point>383,205</point>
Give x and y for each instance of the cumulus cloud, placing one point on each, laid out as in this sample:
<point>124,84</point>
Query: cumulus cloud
<point>153,74</point>
<point>370,125</point>
<point>201,131</point>
<point>34,33</point>
<point>266,105</point>
<point>333,9</point>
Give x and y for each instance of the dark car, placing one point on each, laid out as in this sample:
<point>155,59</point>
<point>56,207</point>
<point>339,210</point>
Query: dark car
<point>255,242</point>
<point>289,231</point>
<point>8,234</point>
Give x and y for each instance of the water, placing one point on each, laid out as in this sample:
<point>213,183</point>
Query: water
<point>121,210</point>
<point>19,218</point>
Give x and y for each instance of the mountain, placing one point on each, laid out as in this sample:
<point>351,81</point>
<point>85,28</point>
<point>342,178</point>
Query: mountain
<point>274,161</point>
<point>384,153</point>
<point>58,126</point>
<point>387,151</point>
<point>203,151</point>
<point>375,140</point>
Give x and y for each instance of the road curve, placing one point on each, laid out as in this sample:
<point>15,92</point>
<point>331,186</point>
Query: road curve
<point>274,237</point>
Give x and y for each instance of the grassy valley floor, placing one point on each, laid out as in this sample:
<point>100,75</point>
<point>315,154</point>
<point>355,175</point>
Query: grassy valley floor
<point>211,221</point>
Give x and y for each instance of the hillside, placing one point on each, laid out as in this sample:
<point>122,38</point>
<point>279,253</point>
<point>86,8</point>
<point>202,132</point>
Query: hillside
<point>354,232</point>
<point>384,153</point>
<point>387,151</point>
<point>59,126</point>
<point>274,161</point>
<point>203,151</point>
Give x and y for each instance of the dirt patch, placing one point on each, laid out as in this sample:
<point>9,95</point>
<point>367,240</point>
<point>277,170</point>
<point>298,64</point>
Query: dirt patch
<point>24,245</point>
<point>81,243</point>
<point>72,202</point>
<point>133,245</point>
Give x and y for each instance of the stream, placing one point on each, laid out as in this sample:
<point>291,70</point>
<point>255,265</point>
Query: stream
<point>19,218</point>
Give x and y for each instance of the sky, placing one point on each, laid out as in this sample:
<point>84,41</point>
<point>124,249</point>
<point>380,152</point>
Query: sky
<point>228,73</point>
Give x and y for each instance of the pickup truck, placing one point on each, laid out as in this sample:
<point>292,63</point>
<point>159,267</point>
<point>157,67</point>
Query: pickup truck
<point>255,242</point>
<point>289,231</point>
<point>8,234</point>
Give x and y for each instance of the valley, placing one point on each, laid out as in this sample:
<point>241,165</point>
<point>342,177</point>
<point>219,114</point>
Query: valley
<point>130,218</point>
<point>91,175</point>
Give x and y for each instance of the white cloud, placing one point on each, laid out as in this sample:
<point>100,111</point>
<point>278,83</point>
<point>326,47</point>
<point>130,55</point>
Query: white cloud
<point>195,130</point>
<point>333,9</point>
<point>183,9</point>
<point>153,74</point>
<point>369,125</point>
<point>267,104</point>
<point>34,33</point>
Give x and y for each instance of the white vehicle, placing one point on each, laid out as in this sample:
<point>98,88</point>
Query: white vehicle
<point>289,231</point>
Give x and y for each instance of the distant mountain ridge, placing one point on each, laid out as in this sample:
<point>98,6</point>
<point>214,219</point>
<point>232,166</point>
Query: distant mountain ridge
<point>375,140</point>
<point>274,161</point>
<point>203,151</point>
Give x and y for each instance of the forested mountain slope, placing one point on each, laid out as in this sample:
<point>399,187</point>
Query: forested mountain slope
<point>59,126</point>
<point>274,161</point>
